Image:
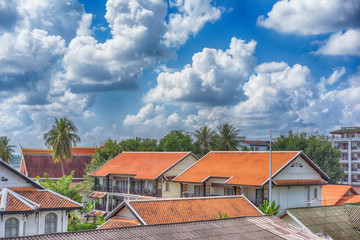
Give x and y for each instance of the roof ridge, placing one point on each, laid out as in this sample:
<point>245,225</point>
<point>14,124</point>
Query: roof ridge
<point>153,152</point>
<point>31,204</point>
<point>188,198</point>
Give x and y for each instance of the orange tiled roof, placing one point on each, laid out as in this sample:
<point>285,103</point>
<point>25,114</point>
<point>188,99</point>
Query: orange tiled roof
<point>331,194</point>
<point>97,195</point>
<point>349,199</point>
<point>192,209</point>
<point>239,166</point>
<point>143,165</point>
<point>74,151</point>
<point>95,212</point>
<point>299,182</point>
<point>117,222</point>
<point>35,200</point>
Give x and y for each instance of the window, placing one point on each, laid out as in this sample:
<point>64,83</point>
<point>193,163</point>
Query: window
<point>51,223</point>
<point>167,187</point>
<point>12,227</point>
<point>198,190</point>
<point>315,193</point>
<point>228,191</point>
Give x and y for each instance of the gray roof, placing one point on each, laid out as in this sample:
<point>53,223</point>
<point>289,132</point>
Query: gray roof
<point>336,221</point>
<point>261,227</point>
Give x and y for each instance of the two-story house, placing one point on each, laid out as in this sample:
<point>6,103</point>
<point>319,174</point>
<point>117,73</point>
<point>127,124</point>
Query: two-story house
<point>131,175</point>
<point>27,208</point>
<point>296,180</point>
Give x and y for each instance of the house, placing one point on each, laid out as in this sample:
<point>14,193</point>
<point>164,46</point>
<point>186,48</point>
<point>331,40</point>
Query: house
<point>260,227</point>
<point>347,139</point>
<point>36,162</point>
<point>133,174</point>
<point>296,180</point>
<point>331,222</point>
<point>339,194</point>
<point>27,208</point>
<point>163,211</point>
<point>255,145</point>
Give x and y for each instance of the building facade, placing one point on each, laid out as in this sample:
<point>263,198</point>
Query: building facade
<point>27,208</point>
<point>347,139</point>
<point>133,175</point>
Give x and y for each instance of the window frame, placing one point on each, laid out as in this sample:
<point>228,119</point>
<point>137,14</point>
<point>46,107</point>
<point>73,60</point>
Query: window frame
<point>49,221</point>
<point>11,226</point>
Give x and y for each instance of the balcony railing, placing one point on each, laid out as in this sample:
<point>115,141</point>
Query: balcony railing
<point>120,189</point>
<point>99,206</point>
<point>100,188</point>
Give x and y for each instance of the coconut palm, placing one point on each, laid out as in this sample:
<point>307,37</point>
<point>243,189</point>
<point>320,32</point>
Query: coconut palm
<point>228,139</point>
<point>204,140</point>
<point>60,139</point>
<point>6,150</point>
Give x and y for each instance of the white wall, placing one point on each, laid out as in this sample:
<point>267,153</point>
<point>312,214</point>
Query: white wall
<point>296,172</point>
<point>174,190</point>
<point>126,213</point>
<point>13,179</point>
<point>181,166</point>
<point>34,223</point>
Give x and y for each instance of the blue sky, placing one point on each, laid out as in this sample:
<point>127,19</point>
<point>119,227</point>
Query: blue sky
<point>121,69</point>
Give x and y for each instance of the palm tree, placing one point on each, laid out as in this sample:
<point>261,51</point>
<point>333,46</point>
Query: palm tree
<point>60,139</point>
<point>6,150</point>
<point>205,140</point>
<point>228,139</point>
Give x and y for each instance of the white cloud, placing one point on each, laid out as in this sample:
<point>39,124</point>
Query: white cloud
<point>152,121</point>
<point>214,77</point>
<point>312,17</point>
<point>336,75</point>
<point>191,17</point>
<point>347,43</point>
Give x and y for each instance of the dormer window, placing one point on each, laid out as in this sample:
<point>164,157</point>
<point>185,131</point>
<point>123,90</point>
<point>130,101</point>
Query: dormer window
<point>296,164</point>
<point>4,179</point>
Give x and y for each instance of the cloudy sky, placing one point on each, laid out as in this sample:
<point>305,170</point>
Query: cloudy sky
<point>126,68</point>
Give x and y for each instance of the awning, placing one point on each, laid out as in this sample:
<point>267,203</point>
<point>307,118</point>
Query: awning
<point>299,182</point>
<point>98,195</point>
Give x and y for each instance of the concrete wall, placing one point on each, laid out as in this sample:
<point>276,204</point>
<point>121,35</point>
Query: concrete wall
<point>174,190</point>
<point>126,213</point>
<point>34,223</point>
<point>181,166</point>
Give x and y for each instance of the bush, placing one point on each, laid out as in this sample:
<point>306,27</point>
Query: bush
<point>81,226</point>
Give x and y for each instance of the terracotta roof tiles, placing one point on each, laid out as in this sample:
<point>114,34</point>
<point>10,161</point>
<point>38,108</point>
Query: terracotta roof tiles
<point>97,195</point>
<point>239,166</point>
<point>117,222</point>
<point>161,211</point>
<point>332,194</point>
<point>142,165</point>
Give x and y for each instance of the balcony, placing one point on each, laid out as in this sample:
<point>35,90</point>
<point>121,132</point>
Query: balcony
<point>99,188</point>
<point>99,206</point>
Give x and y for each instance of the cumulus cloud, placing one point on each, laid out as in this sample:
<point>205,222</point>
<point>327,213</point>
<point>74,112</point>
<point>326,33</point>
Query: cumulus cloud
<point>336,75</point>
<point>214,77</point>
<point>152,121</point>
<point>347,43</point>
<point>312,17</point>
<point>190,18</point>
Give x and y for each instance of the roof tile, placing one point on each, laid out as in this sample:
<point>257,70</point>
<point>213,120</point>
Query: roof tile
<point>332,194</point>
<point>117,222</point>
<point>143,165</point>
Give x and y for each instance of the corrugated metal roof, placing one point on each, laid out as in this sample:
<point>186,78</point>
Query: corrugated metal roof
<point>353,212</point>
<point>263,227</point>
<point>333,220</point>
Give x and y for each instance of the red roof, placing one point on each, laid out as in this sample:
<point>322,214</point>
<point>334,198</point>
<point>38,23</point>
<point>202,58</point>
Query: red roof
<point>300,182</point>
<point>117,222</point>
<point>142,165</point>
<point>193,209</point>
<point>97,195</point>
<point>338,194</point>
<point>241,168</point>
<point>32,199</point>
<point>36,162</point>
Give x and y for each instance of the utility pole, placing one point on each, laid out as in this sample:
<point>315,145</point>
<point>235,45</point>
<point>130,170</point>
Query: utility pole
<point>270,182</point>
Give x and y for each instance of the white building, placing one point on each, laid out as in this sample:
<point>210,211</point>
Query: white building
<point>27,208</point>
<point>347,139</point>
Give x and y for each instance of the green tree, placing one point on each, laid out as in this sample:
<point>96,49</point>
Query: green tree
<point>6,150</point>
<point>270,209</point>
<point>60,139</point>
<point>148,145</point>
<point>176,141</point>
<point>228,138</point>
<point>317,147</point>
<point>102,155</point>
<point>205,139</point>
<point>139,144</point>
<point>63,186</point>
